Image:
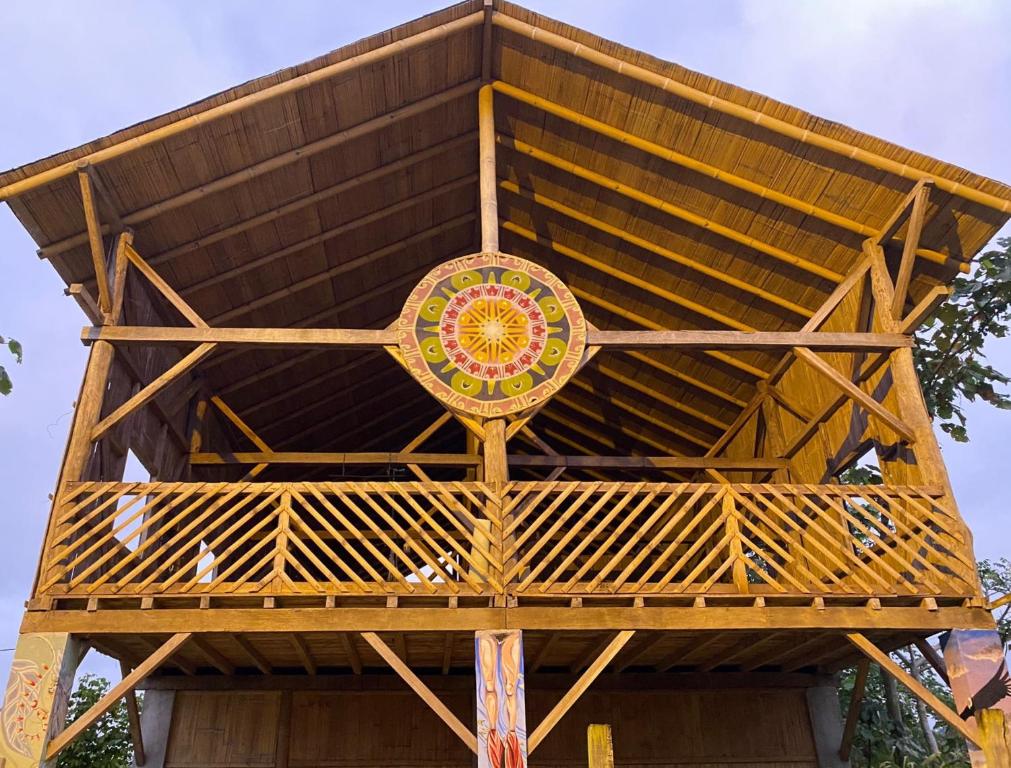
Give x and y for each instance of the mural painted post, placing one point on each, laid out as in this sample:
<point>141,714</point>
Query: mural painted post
<point>501,699</point>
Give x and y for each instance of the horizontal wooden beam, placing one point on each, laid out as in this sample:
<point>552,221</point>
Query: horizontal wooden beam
<point>336,338</point>
<point>124,621</point>
<point>472,460</point>
<point>759,340</point>
<point>301,457</point>
<point>155,135</point>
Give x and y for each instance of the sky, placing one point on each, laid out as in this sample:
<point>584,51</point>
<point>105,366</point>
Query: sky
<point>932,75</point>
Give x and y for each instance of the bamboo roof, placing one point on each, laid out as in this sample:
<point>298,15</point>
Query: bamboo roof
<point>662,197</point>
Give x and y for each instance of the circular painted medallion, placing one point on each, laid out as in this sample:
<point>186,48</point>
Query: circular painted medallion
<point>491,334</point>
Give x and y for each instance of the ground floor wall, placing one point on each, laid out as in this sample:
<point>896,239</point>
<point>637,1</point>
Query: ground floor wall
<point>774,727</point>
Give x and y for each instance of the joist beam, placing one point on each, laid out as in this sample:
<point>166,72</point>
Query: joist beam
<point>672,156</point>
<point>319,457</point>
<point>213,655</point>
<point>465,734</point>
<point>258,659</point>
<point>125,146</point>
<point>915,687</point>
<point>121,689</point>
<point>759,340</point>
<point>578,689</point>
<point>304,655</point>
<point>320,338</point>
<point>751,116</point>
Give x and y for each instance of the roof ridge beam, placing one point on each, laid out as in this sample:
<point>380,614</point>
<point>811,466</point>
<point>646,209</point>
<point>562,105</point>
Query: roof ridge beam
<point>296,83</point>
<point>752,116</point>
<point>275,162</point>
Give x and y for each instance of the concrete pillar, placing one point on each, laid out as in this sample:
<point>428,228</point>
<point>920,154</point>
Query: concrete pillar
<point>38,692</point>
<point>826,725</point>
<point>155,725</point>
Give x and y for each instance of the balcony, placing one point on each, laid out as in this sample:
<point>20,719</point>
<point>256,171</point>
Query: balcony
<point>346,542</point>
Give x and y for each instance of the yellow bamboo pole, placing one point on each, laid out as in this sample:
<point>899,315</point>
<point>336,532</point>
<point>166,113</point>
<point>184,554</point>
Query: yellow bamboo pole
<point>753,116</point>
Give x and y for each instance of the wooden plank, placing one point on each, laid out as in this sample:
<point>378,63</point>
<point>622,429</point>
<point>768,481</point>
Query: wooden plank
<point>915,686</point>
<point>97,247</point>
<point>853,713</point>
<point>133,718</point>
<point>332,338</point>
<point>151,390</point>
<point>243,102</point>
<point>445,714</point>
<point>854,392</point>
<point>599,747</point>
<point>759,340</point>
<point>577,690</point>
<point>125,686</point>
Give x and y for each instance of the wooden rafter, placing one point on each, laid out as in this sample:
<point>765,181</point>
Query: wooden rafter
<point>749,115</point>
<point>704,169</point>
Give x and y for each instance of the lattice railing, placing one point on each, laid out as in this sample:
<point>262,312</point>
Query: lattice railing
<point>523,539</point>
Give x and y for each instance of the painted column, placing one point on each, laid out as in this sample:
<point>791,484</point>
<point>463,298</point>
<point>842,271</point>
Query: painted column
<point>37,694</point>
<point>978,672</point>
<point>501,699</point>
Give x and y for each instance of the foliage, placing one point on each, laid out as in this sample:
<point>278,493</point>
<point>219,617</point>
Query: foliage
<point>107,743</point>
<point>893,726</point>
<point>14,347</point>
<point>949,353</point>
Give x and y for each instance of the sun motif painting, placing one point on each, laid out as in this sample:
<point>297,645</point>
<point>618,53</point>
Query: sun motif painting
<point>491,334</point>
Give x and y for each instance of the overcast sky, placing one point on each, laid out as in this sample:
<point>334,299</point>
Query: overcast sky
<point>933,76</point>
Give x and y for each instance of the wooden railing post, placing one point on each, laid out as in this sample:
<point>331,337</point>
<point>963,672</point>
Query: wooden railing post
<point>739,569</point>
<point>496,475</point>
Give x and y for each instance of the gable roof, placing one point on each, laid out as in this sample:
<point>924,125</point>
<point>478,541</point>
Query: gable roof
<point>319,195</point>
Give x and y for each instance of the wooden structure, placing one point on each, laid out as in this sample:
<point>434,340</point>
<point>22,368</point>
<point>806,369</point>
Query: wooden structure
<point>730,288</point>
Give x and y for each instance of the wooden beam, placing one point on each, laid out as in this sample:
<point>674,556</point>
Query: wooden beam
<point>213,655</point>
<point>466,735</point>
<point>299,644</point>
<point>925,308</point>
<point>317,457</point>
<point>354,659</point>
<point>486,165</point>
<point>759,340</point>
<point>125,146</point>
<point>245,429</point>
<point>320,338</point>
<point>747,114</point>
<point>152,389</point>
<point>166,290</point>
<point>577,690</point>
<point>634,240</point>
<point>856,394</point>
<point>907,262</point>
<point>599,747</point>
<point>258,659</point>
<point>133,718</point>
<point>915,686</point>
<point>853,713</point>
<point>409,161</point>
<point>648,462</point>
<point>671,156</point>
<point>933,658</point>
<point>894,223</point>
<point>94,236</point>
<point>125,686</point>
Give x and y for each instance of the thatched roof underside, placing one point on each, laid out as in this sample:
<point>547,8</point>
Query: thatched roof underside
<point>349,259</point>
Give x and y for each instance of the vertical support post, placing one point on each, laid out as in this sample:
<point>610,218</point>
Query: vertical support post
<point>501,698</point>
<point>486,167</point>
<point>974,659</point>
<point>496,474</point>
<point>995,733</point>
<point>738,568</point>
<point>133,715</point>
<point>599,746</point>
<point>826,725</point>
<point>38,692</point>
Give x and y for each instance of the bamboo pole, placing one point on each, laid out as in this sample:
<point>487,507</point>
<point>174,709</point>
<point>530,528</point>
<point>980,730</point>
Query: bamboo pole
<point>752,116</point>
<point>155,135</point>
<point>489,196</point>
